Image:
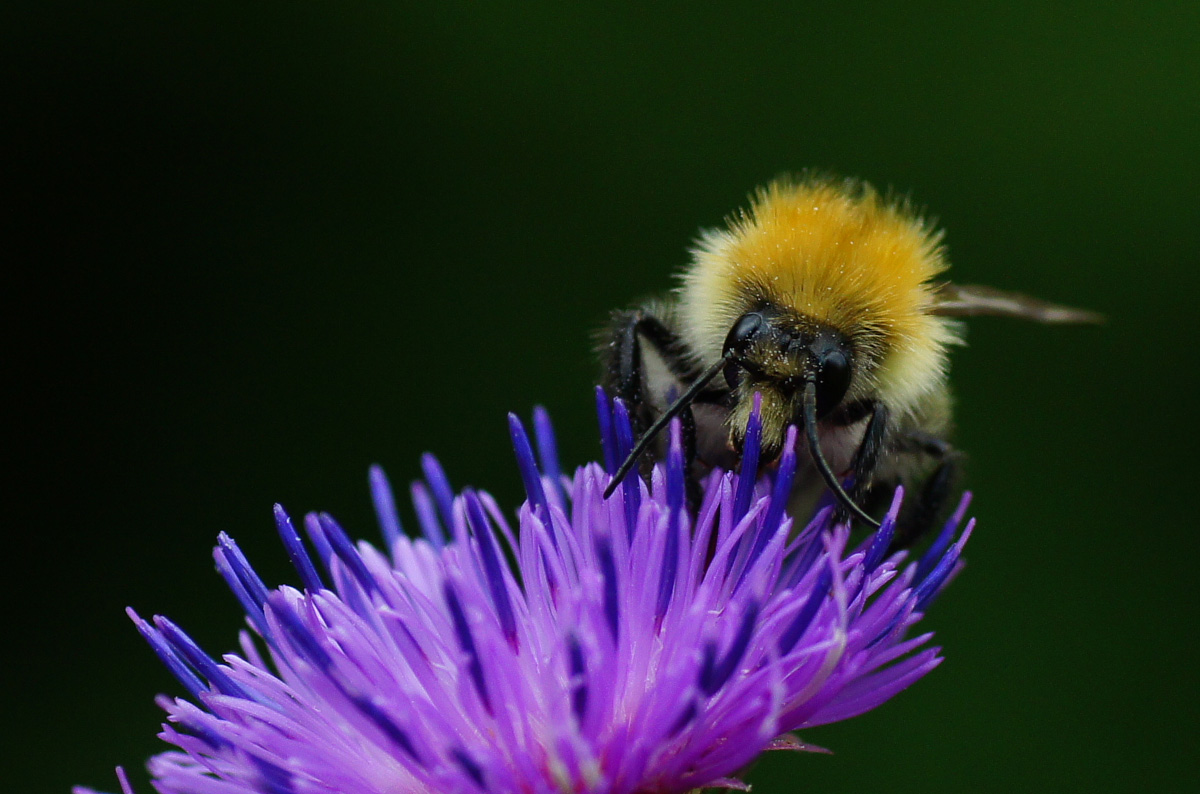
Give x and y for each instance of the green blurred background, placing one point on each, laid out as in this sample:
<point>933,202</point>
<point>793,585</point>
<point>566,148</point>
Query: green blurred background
<point>255,247</point>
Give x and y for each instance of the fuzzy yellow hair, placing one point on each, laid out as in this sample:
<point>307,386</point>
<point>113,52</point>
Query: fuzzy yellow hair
<point>833,253</point>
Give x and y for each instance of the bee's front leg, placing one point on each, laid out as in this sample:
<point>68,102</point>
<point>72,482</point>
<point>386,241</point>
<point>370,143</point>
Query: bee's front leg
<point>647,387</point>
<point>864,490</point>
<point>920,517</point>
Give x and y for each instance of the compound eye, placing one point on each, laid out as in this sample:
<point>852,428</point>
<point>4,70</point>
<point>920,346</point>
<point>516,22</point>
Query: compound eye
<point>833,381</point>
<point>743,333</point>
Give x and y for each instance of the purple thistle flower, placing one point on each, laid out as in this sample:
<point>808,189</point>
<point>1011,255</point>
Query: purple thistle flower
<point>634,647</point>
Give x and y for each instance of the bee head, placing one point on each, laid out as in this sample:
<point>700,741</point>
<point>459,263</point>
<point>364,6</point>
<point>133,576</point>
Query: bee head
<point>801,368</point>
<point>775,354</point>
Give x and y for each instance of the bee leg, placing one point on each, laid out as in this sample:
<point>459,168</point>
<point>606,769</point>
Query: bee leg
<point>625,366</point>
<point>688,420</point>
<point>870,450</point>
<point>917,520</point>
<point>626,377</point>
<point>927,443</point>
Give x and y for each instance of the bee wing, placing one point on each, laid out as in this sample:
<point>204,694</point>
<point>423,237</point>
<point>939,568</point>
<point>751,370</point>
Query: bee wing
<point>973,300</point>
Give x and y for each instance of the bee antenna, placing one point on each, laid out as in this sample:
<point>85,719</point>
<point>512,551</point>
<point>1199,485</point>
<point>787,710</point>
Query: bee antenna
<point>814,448</point>
<point>673,410</point>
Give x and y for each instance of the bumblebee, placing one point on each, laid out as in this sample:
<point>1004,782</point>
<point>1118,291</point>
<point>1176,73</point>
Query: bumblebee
<point>826,300</point>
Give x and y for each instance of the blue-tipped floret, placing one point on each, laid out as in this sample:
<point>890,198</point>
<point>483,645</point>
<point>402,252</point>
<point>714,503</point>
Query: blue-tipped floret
<point>577,668</point>
<point>631,487</point>
<point>200,661</point>
<point>344,550</point>
<point>714,674</point>
<point>168,655</point>
<point>298,634</point>
<point>385,507</point>
<point>320,543</point>
<point>462,630</point>
<point>547,449</point>
<point>780,493</point>
<point>426,510</point>
<point>882,539</point>
<point>296,552</point>
<point>931,585</point>
<point>469,765</point>
<point>749,471</point>
<point>249,590</point>
<point>675,500</point>
<point>608,569</point>
<point>936,549</point>
<point>530,475</point>
<point>439,486</point>
<point>608,439</point>
<point>384,723</point>
<point>795,630</point>
<point>493,566</point>
<point>781,489</point>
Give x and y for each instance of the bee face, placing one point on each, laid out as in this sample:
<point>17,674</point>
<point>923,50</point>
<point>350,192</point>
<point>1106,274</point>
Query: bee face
<point>774,353</point>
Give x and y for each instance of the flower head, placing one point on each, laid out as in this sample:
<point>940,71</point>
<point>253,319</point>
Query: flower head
<point>630,646</point>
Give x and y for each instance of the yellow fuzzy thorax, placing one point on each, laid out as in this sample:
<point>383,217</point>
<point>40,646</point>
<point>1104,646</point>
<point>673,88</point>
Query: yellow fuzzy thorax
<point>834,253</point>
